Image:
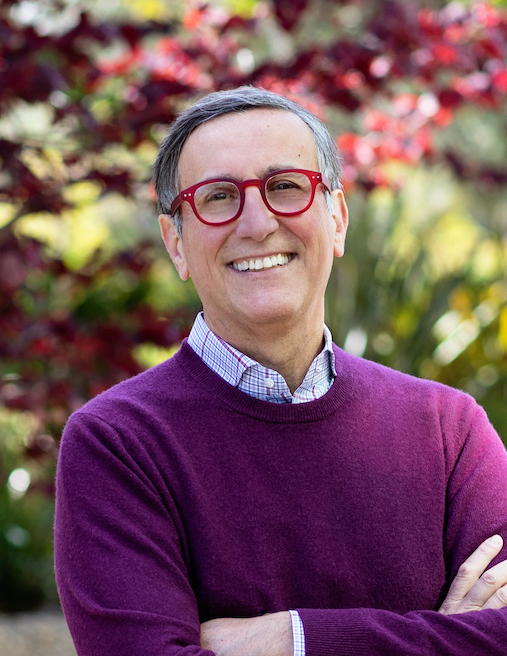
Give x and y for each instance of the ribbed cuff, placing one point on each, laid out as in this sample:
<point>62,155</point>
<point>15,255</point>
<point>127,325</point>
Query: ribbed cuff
<point>335,632</point>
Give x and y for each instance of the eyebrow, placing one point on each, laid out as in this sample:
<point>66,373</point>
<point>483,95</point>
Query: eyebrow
<point>278,167</point>
<point>267,171</point>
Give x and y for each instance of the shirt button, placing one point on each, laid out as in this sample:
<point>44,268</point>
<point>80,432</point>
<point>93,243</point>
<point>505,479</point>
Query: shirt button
<point>269,383</point>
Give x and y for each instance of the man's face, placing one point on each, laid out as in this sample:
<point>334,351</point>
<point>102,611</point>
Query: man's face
<point>236,303</point>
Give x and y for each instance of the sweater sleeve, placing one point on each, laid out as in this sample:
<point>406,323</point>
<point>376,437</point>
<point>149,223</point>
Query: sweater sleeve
<point>121,572</point>
<point>476,509</point>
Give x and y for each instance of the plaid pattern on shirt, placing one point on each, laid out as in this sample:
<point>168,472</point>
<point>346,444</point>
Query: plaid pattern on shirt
<point>250,377</point>
<point>298,634</point>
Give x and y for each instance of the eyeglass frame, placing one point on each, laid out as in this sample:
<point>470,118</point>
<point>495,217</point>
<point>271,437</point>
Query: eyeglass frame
<point>187,194</point>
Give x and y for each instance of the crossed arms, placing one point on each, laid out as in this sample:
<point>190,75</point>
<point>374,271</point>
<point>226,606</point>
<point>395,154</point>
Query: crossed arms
<point>473,589</point>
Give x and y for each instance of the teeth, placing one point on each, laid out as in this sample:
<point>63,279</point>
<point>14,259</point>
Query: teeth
<point>264,263</point>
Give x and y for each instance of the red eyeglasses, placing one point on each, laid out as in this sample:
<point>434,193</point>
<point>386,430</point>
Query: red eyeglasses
<point>286,193</point>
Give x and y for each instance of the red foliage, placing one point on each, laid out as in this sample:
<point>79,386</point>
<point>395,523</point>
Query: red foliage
<point>53,360</point>
<point>288,12</point>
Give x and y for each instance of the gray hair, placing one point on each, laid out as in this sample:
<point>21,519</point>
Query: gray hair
<point>166,174</point>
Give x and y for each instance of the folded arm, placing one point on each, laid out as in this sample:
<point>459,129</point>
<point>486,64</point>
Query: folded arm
<point>474,589</point>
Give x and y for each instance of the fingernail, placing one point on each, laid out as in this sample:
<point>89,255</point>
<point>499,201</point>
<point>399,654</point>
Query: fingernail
<point>495,540</point>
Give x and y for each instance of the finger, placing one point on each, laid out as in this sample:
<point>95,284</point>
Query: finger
<point>498,600</point>
<point>469,573</point>
<point>490,583</point>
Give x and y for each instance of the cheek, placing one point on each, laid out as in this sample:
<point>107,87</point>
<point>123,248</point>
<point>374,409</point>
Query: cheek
<point>203,257</point>
<point>318,236</point>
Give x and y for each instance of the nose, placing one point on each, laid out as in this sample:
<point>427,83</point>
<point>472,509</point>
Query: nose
<point>256,221</point>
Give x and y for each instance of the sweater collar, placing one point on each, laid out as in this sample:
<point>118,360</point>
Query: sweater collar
<point>207,382</point>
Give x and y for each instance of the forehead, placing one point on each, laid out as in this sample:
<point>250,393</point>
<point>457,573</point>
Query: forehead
<point>247,144</point>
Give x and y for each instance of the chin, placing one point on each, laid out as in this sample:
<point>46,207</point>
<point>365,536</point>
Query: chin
<point>270,313</point>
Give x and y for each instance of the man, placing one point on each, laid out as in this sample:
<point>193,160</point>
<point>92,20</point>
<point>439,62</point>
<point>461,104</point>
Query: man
<point>263,492</point>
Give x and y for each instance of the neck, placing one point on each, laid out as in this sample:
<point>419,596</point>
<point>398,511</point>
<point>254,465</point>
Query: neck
<point>289,352</point>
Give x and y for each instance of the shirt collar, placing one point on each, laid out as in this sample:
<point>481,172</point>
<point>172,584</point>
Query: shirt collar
<point>250,376</point>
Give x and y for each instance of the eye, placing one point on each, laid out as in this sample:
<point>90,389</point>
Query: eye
<point>281,185</point>
<point>217,195</point>
<point>288,183</point>
<point>214,192</point>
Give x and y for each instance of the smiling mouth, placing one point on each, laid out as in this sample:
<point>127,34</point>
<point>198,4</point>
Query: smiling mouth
<point>260,263</point>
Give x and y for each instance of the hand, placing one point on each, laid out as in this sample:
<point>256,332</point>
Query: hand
<point>475,589</point>
<point>267,635</point>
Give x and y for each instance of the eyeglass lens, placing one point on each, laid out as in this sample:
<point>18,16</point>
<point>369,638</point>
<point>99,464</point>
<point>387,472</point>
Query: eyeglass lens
<point>287,192</point>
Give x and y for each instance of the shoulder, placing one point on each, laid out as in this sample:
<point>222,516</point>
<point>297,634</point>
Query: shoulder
<point>166,385</point>
<point>394,397</point>
<point>378,379</point>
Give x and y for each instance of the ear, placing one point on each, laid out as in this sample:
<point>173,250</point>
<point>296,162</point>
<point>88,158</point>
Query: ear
<point>174,245</point>
<point>341,218</point>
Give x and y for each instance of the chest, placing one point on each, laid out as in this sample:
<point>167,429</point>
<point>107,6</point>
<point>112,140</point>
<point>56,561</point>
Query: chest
<point>311,519</point>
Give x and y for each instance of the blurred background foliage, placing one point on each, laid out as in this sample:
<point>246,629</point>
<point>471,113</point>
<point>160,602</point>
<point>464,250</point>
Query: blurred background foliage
<point>415,93</point>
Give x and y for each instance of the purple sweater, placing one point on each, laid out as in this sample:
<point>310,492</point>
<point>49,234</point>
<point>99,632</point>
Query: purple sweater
<point>181,499</point>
